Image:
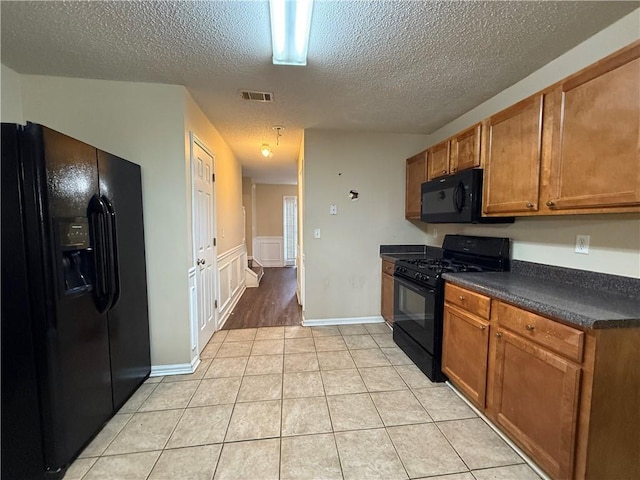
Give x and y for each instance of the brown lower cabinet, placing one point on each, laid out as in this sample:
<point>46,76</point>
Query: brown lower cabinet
<point>569,398</point>
<point>386,307</point>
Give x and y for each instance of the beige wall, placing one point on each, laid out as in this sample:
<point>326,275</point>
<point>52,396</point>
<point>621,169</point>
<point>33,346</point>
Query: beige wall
<point>142,123</point>
<point>342,268</point>
<point>11,100</point>
<point>228,185</point>
<point>269,208</point>
<point>248,188</point>
<point>148,124</point>
<point>615,239</point>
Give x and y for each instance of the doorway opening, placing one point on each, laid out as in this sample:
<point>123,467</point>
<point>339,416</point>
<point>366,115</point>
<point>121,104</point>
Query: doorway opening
<point>290,230</point>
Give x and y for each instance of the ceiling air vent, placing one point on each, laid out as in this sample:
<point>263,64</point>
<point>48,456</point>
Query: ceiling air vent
<point>257,96</point>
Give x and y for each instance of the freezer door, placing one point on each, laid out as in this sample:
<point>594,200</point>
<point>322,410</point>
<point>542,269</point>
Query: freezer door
<point>72,338</point>
<point>21,432</point>
<point>121,190</point>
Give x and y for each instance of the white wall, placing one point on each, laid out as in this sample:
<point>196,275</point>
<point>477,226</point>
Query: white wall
<point>11,100</point>
<point>143,123</point>
<point>342,268</point>
<point>615,238</point>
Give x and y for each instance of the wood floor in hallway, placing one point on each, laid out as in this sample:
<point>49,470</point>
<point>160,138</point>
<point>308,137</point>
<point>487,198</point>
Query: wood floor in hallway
<point>271,304</point>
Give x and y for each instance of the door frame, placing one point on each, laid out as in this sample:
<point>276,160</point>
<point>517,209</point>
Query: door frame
<point>193,140</point>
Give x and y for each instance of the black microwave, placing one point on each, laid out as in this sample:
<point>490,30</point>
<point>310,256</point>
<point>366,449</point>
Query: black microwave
<point>456,199</point>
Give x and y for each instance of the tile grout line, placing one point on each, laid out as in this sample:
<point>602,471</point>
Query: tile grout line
<point>513,446</point>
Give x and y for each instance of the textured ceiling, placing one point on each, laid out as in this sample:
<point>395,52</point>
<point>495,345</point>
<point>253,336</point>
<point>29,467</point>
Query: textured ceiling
<point>382,66</point>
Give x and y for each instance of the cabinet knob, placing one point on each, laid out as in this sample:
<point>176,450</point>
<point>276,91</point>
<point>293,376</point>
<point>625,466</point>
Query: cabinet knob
<point>530,327</point>
<point>482,327</point>
<point>529,205</point>
<point>462,298</point>
<point>551,203</point>
<point>499,334</point>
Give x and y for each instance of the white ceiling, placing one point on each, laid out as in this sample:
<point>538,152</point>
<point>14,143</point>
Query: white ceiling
<point>380,66</point>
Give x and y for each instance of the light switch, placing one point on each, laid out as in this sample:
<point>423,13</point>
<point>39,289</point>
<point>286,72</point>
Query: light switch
<point>316,233</point>
<point>333,209</point>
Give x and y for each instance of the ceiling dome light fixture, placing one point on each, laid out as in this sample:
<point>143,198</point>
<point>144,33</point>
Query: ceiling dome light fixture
<point>290,26</point>
<point>265,149</point>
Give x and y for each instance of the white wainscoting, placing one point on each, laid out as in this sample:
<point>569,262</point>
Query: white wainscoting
<point>269,251</point>
<point>231,281</point>
<point>193,311</point>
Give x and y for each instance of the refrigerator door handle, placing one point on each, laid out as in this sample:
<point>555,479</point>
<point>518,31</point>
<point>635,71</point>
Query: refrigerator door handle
<point>98,221</point>
<point>114,260</point>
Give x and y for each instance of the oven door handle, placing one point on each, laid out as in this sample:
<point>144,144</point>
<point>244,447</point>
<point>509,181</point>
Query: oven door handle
<point>416,288</point>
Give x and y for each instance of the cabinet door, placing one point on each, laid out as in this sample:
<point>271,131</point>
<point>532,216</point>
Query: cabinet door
<point>465,351</point>
<point>536,401</point>
<point>512,158</point>
<point>439,160</point>
<point>387,298</point>
<point>416,176</point>
<point>595,157</point>
<point>465,149</point>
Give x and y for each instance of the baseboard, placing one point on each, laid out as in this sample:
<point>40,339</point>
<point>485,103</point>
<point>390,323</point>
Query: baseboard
<point>229,308</point>
<point>341,321</point>
<point>175,369</point>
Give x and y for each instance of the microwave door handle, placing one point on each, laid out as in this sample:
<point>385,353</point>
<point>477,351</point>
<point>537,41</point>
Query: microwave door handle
<point>458,197</point>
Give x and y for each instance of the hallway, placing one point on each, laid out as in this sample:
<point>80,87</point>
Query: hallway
<point>273,303</point>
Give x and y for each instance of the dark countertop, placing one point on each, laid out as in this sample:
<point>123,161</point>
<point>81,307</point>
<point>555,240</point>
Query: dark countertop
<point>574,304</point>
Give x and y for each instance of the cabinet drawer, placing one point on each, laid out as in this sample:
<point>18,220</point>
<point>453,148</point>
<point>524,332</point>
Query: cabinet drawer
<point>555,336</point>
<point>387,267</point>
<point>472,302</point>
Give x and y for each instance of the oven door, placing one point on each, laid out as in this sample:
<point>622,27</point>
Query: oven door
<point>415,311</point>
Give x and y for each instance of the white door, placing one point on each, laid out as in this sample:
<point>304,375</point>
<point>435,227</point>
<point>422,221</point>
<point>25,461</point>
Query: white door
<point>203,238</point>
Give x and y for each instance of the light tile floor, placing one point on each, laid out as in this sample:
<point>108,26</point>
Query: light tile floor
<point>298,403</point>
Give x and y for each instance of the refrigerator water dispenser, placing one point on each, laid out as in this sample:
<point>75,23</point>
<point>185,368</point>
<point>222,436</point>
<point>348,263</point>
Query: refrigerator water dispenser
<point>76,256</point>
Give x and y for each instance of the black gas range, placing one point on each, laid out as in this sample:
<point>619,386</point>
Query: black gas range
<point>419,294</point>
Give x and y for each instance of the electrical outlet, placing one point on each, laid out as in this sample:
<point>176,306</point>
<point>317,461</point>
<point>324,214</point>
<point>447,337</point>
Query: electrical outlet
<point>582,244</point>
<point>316,233</point>
<point>333,209</point>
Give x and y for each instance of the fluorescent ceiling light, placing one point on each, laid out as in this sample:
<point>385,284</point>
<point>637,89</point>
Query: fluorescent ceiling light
<point>290,25</point>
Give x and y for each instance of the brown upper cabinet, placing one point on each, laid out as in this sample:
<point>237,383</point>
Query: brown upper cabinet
<point>460,152</point>
<point>595,157</point>
<point>416,171</point>
<point>465,149</point>
<point>572,148</point>
<point>438,160</point>
<point>512,151</point>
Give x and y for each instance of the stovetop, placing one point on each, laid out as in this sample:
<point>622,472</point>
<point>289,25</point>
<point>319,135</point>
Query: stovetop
<point>461,254</point>
<point>441,265</point>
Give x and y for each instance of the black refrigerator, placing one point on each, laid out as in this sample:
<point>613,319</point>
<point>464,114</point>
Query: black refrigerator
<point>75,328</point>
